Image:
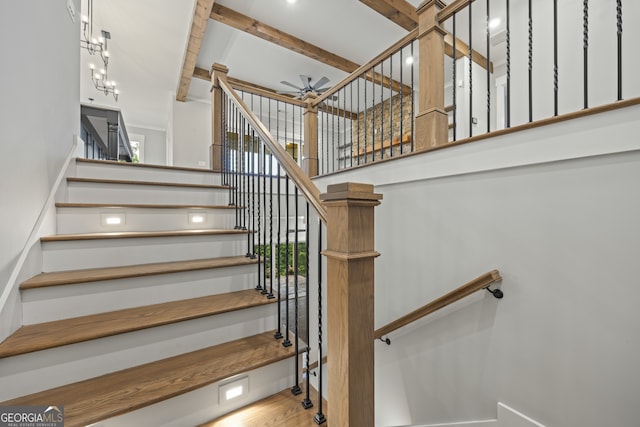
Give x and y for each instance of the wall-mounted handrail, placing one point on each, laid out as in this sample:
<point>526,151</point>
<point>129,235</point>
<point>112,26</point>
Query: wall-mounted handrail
<point>481,282</point>
<point>308,189</point>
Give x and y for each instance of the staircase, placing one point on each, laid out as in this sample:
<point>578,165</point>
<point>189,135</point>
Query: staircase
<point>140,314</point>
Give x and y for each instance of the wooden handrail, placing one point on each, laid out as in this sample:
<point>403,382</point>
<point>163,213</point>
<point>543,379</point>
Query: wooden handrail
<point>308,189</point>
<point>256,90</point>
<point>454,7</point>
<point>467,289</point>
<point>367,67</point>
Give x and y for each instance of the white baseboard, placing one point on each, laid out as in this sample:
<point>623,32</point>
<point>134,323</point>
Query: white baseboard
<point>507,417</point>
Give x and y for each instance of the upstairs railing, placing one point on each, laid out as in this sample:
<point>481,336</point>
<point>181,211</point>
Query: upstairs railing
<point>528,61</point>
<point>369,115</point>
<point>470,69</point>
<point>104,134</point>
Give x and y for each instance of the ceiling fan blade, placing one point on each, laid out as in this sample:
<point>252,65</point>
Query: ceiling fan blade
<point>306,81</point>
<point>323,81</point>
<point>291,85</point>
<point>323,89</point>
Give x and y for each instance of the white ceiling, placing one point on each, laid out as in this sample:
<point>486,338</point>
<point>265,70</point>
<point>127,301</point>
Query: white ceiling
<point>148,40</point>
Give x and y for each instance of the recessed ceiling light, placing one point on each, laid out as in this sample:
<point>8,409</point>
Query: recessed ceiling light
<point>409,60</point>
<point>291,1</point>
<point>494,23</point>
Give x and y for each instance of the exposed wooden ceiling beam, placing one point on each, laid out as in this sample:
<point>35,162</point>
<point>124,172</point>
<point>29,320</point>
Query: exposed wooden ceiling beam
<point>249,25</point>
<point>198,27</point>
<point>404,14</point>
<point>400,12</point>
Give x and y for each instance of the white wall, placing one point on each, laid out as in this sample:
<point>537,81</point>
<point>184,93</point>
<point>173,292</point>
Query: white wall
<point>556,210</point>
<point>155,141</point>
<point>191,133</point>
<point>39,115</point>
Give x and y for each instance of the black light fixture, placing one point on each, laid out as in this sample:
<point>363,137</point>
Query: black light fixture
<point>99,46</point>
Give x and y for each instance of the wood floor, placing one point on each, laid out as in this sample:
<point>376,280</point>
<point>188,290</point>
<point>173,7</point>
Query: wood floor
<point>96,399</point>
<point>139,234</point>
<point>280,410</point>
<point>41,336</point>
<point>70,277</point>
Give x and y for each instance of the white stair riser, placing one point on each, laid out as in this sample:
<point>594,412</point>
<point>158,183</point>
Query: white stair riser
<point>91,220</point>
<point>106,171</point>
<point>201,405</point>
<point>91,192</point>
<point>83,254</point>
<point>32,372</point>
<point>62,302</point>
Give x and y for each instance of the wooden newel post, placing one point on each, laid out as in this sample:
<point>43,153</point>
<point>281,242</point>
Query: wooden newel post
<point>310,148</point>
<point>432,122</point>
<point>218,71</point>
<point>350,287</point>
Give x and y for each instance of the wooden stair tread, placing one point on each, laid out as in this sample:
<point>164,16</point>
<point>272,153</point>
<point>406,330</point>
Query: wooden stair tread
<point>103,397</point>
<point>141,206</point>
<point>139,234</point>
<point>110,273</point>
<point>155,183</point>
<point>144,165</point>
<point>280,410</point>
<point>41,336</point>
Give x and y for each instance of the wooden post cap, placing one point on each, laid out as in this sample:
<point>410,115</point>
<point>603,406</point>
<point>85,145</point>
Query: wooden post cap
<point>350,190</point>
<point>218,67</point>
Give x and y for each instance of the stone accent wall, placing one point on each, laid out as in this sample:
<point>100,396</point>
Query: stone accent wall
<point>378,120</point>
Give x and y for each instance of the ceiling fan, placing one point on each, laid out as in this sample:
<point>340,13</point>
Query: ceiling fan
<point>307,87</point>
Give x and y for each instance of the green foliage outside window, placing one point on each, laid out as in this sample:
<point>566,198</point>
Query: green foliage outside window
<point>280,256</point>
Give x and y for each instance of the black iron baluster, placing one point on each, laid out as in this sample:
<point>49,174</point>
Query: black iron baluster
<point>287,341</point>
<point>508,31</point>
<point>391,96</point>
<point>359,120</point>
<point>373,115</point>
<point>319,418</point>
<point>243,177</point>
<point>333,135</point>
<point>488,73</point>
<point>619,27</point>
<point>413,110</point>
<point>278,334</point>
<point>366,120</point>
<point>402,99</point>
<point>337,119</point>
<point>454,77</point>
<point>585,50</point>
<point>351,119</point>
<point>271,269</point>
<point>265,290</point>
<point>251,188</point>
<point>296,388</point>
<point>470,72</point>
<point>530,64</point>
<point>236,168</point>
<point>306,403</point>
<point>326,153</point>
<point>555,57</point>
<point>381,110</point>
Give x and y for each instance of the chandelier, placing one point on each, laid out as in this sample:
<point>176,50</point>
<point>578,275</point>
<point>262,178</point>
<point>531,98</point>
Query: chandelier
<point>98,46</point>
